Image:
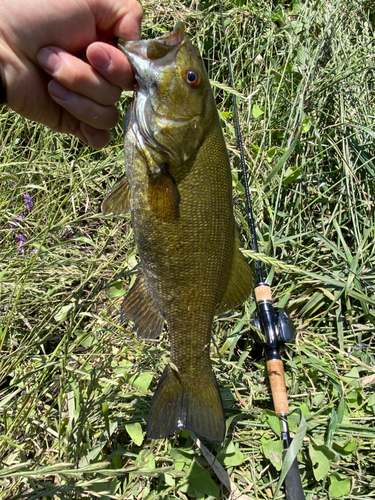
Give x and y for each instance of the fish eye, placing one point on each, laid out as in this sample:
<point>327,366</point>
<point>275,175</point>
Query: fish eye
<point>192,77</point>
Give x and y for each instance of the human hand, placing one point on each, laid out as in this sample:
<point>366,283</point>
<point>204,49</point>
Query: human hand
<point>69,41</point>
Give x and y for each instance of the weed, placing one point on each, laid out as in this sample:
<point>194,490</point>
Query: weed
<point>76,387</point>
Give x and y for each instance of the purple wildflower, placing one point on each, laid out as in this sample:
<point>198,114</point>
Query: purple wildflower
<point>16,222</point>
<point>29,202</point>
<point>21,240</point>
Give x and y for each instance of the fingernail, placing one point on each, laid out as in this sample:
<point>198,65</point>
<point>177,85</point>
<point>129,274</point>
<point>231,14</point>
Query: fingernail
<point>49,60</point>
<point>57,91</point>
<point>99,58</point>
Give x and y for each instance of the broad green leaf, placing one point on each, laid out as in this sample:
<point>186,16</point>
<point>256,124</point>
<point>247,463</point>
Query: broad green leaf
<point>352,377</point>
<point>371,403</point>
<point>63,312</point>
<point>135,432</point>
<point>291,174</point>
<point>117,290</point>
<point>182,456</point>
<point>141,381</point>
<point>279,16</point>
<point>272,420</point>
<point>150,462</point>
<point>273,451</point>
<point>201,481</point>
<point>86,340</point>
<point>345,447</point>
<point>295,27</point>
<point>306,125</point>
<point>257,111</point>
<point>339,486</point>
<point>271,153</point>
<point>123,366</point>
<point>354,399</point>
<point>301,56</point>
<point>169,480</point>
<point>350,446</point>
<point>231,456</point>
<point>321,457</point>
<point>296,6</point>
<point>319,398</point>
<point>116,462</point>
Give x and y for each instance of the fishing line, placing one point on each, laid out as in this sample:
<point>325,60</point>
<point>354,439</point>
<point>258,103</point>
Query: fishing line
<point>273,322</point>
<point>258,265</point>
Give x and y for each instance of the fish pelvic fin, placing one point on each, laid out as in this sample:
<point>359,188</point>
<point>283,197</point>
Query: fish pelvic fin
<point>117,200</point>
<point>186,403</point>
<point>139,307</point>
<point>240,284</point>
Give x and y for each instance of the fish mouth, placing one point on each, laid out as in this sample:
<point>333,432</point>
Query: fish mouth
<point>147,58</point>
<point>141,51</point>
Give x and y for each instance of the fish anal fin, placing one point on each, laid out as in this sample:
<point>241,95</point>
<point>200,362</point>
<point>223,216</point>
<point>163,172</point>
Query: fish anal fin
<point>186,403</point>
<point>139,307</point>
<point>240,283</point>
<point>117,200</point>
<point>163,196</point>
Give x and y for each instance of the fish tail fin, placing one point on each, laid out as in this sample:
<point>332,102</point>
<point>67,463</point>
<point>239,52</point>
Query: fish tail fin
<point>186,403</point>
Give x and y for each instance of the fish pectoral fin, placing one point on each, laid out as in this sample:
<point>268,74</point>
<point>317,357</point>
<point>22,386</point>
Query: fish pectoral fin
<point>240,284</point>
<point>117,200</point>
<point>139,307</point>
<point>193,404</point>
<point>163,196</point>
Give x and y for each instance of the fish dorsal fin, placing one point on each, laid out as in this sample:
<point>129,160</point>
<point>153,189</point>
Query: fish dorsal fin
<point>117,200</point>
<point>139,307</point>
<point>240,283</point>
<point>163,196</point>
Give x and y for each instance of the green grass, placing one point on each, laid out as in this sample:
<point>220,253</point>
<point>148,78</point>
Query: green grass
<point>76,386</point>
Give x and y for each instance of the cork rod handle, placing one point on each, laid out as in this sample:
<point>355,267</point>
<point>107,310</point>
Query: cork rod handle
<point>276,377</point>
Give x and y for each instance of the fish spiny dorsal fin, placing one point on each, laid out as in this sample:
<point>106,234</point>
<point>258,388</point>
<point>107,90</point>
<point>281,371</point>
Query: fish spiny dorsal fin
<point>163,195</point>
<point>139,307</point>
<point>186,402</point>
<point>117,200</point>
<point>240,283</point>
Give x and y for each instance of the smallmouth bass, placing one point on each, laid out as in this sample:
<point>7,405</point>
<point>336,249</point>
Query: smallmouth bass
<point>178,187</point>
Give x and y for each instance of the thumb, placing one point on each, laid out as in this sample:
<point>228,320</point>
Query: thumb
<point>121,17</point>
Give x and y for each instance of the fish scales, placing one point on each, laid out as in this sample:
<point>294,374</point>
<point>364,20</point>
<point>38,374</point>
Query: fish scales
<point>179,182</point>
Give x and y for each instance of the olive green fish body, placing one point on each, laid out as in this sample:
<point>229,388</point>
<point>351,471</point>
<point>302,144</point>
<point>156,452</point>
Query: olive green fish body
<point>181,205</point>
<point>186,262</point>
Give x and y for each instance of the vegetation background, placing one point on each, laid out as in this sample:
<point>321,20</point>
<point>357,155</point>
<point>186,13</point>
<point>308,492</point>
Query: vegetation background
<point>75,386</point>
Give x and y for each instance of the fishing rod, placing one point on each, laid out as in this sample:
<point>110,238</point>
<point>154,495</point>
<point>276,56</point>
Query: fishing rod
<point>273,322</point>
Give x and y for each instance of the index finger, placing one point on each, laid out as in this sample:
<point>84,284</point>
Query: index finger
<point>111,64</point>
